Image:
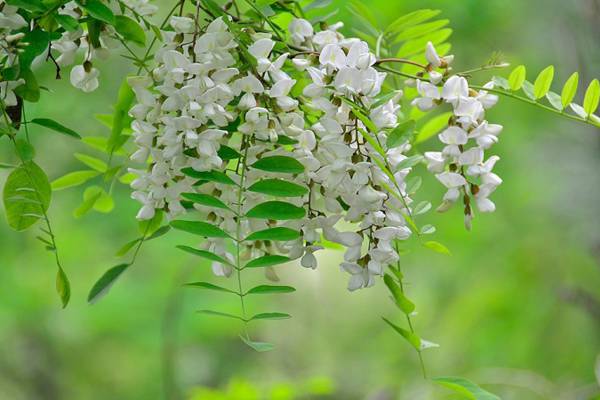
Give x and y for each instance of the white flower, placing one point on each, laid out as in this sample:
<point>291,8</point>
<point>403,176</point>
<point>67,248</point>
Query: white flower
<point>182,24</point>
<point>429,96</point>
<point>300,30</point>
<point>455,89</point>
<point>332,55</point>
<point>85,77</point>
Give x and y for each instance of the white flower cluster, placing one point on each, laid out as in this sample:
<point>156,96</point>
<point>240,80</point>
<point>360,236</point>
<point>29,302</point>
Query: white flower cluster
<point>199,91</point>
<point>64,50</point>
<point>10,21</point>
<point>461,166</point>
<point>344,178</point>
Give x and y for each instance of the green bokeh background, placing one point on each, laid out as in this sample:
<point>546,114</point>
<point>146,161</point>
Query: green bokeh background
<point>506,307</point>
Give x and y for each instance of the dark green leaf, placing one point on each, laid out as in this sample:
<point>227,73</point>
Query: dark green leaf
<point>281,164</point>
<point>37,40</point>
<point>211,176</point>
<point>55,126</point>
<point>199,228</point>
<point>159,232</point>
<point>104,284</point>
<point>209,286</point>
<point>98,10</point>
<point>277,210</point>
<point>63,287</point>
<point>271,315</point>
<point>205,200</point>
<point>278,187</point>
<point>204,254</point>
<point>227,153</point>
<point>219,314</point>
<point>405,305</point>
<point>275,234</point>
<point>268,289</point>
<point>30,90</point>
<point>66,21</point>
<point>130,30</point>
<point>267,261</point>
<point>29,5</point>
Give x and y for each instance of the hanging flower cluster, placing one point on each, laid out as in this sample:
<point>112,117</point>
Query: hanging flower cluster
<point>185,125</point>
<point>460,166</point>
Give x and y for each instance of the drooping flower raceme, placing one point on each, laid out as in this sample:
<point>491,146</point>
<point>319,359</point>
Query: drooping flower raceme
<point>461,166</point>
<point>214,105</point>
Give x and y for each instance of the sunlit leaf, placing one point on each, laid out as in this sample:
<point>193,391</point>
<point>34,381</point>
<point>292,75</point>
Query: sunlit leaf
<point>433,127</point>
<point>92,162</point>
<point>465,387</point>
<point>570,89</point>
<point>543,82</point>
<point>437,247</point>
<point>592,97</point>
<point>73,179</point>
<point>517,77</point>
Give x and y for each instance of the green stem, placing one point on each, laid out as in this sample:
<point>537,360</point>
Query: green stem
<point>238,234</point>
<point>408,320</point>
<point>535,103</point>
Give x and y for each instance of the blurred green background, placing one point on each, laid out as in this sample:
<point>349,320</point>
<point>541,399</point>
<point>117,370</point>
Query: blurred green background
<point>515,308</point>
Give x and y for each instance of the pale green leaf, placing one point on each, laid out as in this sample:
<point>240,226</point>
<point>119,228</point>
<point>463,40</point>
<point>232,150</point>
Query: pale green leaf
<point>517,77</point>
<point>592,97</point>
<point>543,82</point>
<point>570,89</point>
<point>465,387</point>
<point>73,179</point>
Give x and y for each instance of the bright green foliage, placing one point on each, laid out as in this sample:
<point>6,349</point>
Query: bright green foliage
<point>130,30</point>
<point>279,233</point>
<point>276,210</point>
<point>570,89</point>
<point>543,82</point>
<point>73,179</point>
<point>465,387</point>
<point>592,97</point>
<point>517,77</point>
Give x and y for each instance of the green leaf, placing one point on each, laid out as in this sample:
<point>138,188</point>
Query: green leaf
<point>409,162</point>
<point>149,226</point>
<point>437,247</point>
<point>517,77</point>
<point>400,134</point>
<point>570,89</point>
<point>199,228</point>
<point>92,162</point>
<point>276,234</point>
<point>227,153</point>
<point>260,347</point>
<point>269,289</point>
<point>66,21</point>
<point>30,90</point>
<point>543,82</point>
<point>592,97</point>
<point>127,247</point>
<point>130,30</point>
<point>410,19</point>
<point>25,150</point>
<point>421,30</point>
<point>528,89</point>
<point>413,339</point>
<point>282,164</point>
<point>37,40</point>
<point>120,117</point>
<point>97,10</point>
<point>405,305</point>
<point>271,315</point>
<point>103,285</point>
<point>278,187</point>
<point>73,179</point>
<point>433,127</point>
<point>204,254</point>
<point>30,5</point>
<point>465,387</point>
<point>26,196</point>
<point>205,200</point>
<point>219,314</point>
<point>90,198</point>
<point>211,176</point>
<point>63,287</point>
<point>267,261</point>
<point>277,210</point>
<point>555,100</point>
<point>209,286</point>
